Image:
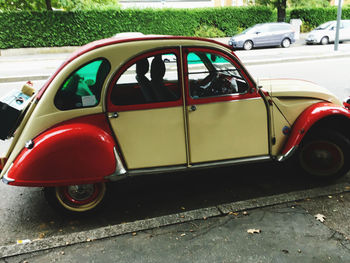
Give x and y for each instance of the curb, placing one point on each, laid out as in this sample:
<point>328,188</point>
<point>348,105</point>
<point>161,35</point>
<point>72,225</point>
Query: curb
<point>141,225</point>
<point>295,59</point>
<point>36,51</point>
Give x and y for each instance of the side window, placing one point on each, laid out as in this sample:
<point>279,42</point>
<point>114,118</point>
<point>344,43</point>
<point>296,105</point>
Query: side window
<point>83,87</point>
<point>149,80</point>
<point>211,75</point>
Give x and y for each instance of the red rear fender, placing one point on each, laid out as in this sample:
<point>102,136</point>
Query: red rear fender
<point>78,151</point>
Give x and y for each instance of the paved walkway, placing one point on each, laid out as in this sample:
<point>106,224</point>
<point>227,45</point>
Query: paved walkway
<point>310,230</point>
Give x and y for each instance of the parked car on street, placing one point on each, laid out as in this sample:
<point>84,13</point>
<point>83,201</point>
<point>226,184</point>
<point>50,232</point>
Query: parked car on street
<point>115,109</point>
<point>264,35</point>
<point>325,33</point>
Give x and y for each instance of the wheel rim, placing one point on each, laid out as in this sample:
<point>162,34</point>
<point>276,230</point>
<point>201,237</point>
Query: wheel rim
<point>286,43</point>
<point>248,45</point>
<point>80,198</point>
<point>322,158</point>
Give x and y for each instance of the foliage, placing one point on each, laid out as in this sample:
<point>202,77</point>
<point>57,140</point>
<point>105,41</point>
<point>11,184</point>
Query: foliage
<point>68,5</point>
<point>58,28</point>
<point>295,3</point>
<point>208,31</point>
<point>308,3</point>
<point>313,17</point>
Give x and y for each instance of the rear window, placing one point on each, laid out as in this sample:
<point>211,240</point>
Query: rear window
<point>83,87</point>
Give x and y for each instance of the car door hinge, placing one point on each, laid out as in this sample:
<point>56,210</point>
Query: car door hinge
<point>273,140</point>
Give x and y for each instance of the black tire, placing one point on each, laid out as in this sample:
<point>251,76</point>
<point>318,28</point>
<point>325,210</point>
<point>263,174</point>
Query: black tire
<point>324,41</point>
<point>248,45</point>
<point>76,199</point>
<point>286,43</point>
<point>324,155</point>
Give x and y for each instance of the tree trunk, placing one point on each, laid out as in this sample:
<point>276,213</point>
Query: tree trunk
<point>48,5</point>
<point>281,10</point>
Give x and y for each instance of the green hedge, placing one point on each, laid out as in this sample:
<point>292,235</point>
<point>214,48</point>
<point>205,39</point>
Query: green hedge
<point>46,29</point>
<point>313,17</point>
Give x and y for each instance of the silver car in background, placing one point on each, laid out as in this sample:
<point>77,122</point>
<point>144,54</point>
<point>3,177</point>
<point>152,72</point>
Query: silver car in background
<point>264,35</point>
<point>325,33</point>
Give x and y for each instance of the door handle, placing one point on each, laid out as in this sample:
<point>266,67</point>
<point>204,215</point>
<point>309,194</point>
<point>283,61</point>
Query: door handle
<point>113,115</point>
<point>193,108</point>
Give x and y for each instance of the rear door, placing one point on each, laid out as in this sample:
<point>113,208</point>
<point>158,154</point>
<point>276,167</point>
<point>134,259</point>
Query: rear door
<point>145,110</point>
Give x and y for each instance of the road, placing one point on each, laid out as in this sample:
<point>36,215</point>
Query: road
<point>25,214</point>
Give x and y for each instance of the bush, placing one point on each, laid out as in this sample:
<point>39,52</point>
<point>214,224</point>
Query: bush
<point>58,28</point>
<point>313,17</point>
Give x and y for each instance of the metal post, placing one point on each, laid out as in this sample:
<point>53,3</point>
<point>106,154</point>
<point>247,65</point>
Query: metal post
<point>336,41</point>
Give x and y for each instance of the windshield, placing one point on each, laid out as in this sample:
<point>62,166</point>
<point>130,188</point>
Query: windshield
<point>324,26</point>
<point>251,29</point>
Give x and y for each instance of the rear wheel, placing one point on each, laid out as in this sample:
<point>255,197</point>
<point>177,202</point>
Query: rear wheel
<point>76,199</point>
<point>286,43</point>
<point>325,155</point>
<point>248,45</point>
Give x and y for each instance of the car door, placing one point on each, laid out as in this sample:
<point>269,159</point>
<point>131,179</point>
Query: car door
<point>145,109</point>
<point>227,118</point>
<point>346,30</point>
<point>263,36</point>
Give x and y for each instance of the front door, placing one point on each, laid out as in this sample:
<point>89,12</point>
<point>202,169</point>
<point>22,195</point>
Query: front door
<point>226,118</point>
<point>146,111</point>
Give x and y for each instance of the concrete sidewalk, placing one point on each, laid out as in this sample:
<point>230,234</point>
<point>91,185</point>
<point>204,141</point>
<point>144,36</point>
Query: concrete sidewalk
<point>312,229</point>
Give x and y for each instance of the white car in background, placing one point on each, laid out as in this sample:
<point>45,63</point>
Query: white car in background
<point>325,33</point>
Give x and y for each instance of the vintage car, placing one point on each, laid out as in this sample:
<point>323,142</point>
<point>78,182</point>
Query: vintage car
<point>115,109</point>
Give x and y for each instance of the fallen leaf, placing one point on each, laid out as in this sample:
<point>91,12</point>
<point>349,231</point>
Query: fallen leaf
<point>253,231</point>
<point>320,217</point>
<point>233,213</point>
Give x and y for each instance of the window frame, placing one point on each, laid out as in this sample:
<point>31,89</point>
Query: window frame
<point>153,105</point>
<point>221,98</point>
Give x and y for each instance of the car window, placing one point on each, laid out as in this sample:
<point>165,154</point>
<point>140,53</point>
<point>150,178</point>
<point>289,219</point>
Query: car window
<point>280,27</point>
<point>213,75</point>
<point>83,87</point>
<point>149,80</point>
<point>324,26</point>
<point>346,24</point>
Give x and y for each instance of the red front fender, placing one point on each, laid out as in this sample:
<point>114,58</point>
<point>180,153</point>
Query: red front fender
<point>307,119</point>
<point>79,151</point>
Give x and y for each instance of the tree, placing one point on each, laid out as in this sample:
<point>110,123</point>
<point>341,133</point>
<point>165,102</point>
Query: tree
<point>281,10</point>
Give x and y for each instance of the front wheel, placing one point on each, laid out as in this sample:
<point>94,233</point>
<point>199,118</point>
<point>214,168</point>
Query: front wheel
<point>248,45</point>
<point>324,41</point>
<point>76,199</point>
<point>325,155</point>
